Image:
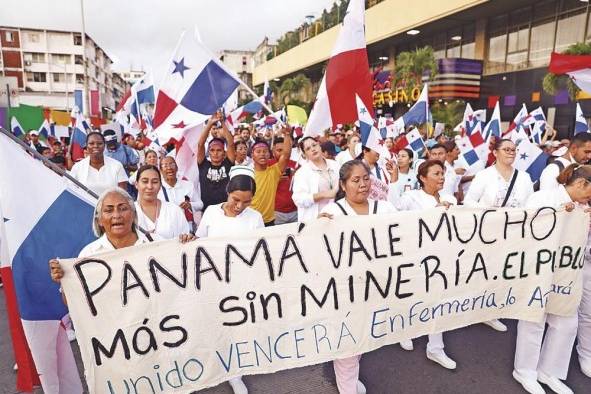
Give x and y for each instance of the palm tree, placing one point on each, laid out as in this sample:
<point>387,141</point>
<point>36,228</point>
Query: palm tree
<point>552,82</point>
<point>296,88</point>
<point>411,65</point>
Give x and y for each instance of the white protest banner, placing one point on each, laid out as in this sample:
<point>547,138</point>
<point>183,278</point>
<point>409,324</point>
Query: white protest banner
<point>166,317</point>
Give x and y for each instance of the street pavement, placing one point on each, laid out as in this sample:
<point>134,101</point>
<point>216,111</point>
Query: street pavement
<point>484,358</point>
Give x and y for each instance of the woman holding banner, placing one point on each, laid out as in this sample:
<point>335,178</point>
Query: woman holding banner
<point>431,176</point>
<point>115,225</point>
<point>233,217</point>
<point>352,200</point>
<point>546,358</point>
<point>154,215</point>
<point>500,186</point>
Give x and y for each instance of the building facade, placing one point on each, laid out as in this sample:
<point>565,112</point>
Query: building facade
<point>132,76</point>
<point>49,66</point>
<point>487,51</point>
<point>241,62</point>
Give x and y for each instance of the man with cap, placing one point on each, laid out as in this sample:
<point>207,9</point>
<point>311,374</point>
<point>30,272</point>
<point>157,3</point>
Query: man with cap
<point>214,169</point>
<point>35,142</point>
<point>120,152</point>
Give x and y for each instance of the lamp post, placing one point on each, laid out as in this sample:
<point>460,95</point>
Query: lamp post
<point>63,66</point>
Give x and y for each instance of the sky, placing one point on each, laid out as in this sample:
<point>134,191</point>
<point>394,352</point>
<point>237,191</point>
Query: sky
<point>142,34</point>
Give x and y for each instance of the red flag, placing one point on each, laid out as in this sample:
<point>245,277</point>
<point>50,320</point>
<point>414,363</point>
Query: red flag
<point>347,75</point>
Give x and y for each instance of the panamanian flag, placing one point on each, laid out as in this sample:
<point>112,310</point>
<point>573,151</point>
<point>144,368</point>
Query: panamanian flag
<point>195,86</point>
<point>39,220</point>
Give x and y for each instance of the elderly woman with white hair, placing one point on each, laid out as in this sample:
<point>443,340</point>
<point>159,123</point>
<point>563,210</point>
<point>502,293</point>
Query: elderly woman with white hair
<point>115,225</point>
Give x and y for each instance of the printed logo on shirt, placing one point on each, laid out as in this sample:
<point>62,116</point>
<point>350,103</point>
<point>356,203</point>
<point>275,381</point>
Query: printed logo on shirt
<point>216,174</point>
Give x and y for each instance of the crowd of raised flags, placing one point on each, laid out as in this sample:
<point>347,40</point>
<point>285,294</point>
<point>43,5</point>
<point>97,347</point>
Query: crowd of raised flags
<point>169,119</point>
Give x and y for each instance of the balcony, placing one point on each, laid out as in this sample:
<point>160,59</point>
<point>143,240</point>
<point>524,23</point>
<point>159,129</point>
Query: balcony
<point>382,21</point>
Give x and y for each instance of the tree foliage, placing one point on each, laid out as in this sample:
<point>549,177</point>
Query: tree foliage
<point>552,83</point>
<point>410,66</point>
<point>450,114</point>
<point>294,89</point>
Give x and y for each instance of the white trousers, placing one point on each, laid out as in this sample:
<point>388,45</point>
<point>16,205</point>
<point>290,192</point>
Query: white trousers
<point>346,371</point>
<point>584,334</point>
<point>549,354</point>
<point>435,344</point>
<point>53,357</point>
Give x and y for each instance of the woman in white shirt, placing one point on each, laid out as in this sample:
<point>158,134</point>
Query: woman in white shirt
<point>490,186</point>
<point>96,171</point>
<point>352,199</point>
<point>546,358</point>
<point>315,183</point>
<point>233,217</point>
<point>500,186</point>
<point>154,215</point>
<point>403,177</point>
<point>350,153</point>
<point>431,176</point>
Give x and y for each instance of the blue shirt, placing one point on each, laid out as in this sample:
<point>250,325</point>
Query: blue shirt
<point>123,154</point>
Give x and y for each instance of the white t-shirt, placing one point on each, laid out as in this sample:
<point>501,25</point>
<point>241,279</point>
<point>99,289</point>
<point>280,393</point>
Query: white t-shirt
<point>335,210</point>
<point>215,223</point>
<point>452,180</point>
<point>415,200</point>
<point>549,198</point>
<point>102,244</point>
<point>343,157</point>
<point>106,177</point>
<point>548,178</point>
<point>177,193</point>
<point>404,183</point>
<point>171,221</point>
<point>489,188</point>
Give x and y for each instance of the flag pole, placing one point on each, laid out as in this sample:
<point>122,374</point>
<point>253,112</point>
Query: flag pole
<point>54,167</point>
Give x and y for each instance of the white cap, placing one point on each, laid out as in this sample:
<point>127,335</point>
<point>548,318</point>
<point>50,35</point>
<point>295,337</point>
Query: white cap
<point>241,170</point>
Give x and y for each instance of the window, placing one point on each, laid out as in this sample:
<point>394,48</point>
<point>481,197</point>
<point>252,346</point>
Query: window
<point>62,78</point>
<point>60,59</point>
<point>78,59</point>
<point>77,39</point>
<point>37,77</point>
<point>33,37</point>
<point>244,60</point>
<point>80,78</point>
<point>9,36</point>
<point>34,57</point>
<point>571,28</point>
<point>542,42</point>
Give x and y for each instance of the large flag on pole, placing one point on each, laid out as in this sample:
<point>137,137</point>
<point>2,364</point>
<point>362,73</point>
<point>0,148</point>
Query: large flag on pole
<point>40,220</point>
<point>577,67</point>
<point>195,85</point>
<point>517,123</point>
<point>347,75</point>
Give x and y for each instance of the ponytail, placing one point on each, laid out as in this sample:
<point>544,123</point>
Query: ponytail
<point>572,173</point>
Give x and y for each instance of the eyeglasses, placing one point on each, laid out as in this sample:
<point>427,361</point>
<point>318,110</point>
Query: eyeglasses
<point>509,150</point>
<point>171,165</point>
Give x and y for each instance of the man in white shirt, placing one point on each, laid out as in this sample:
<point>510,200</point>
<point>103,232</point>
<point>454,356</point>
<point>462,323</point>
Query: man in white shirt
<point>579,152</point>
